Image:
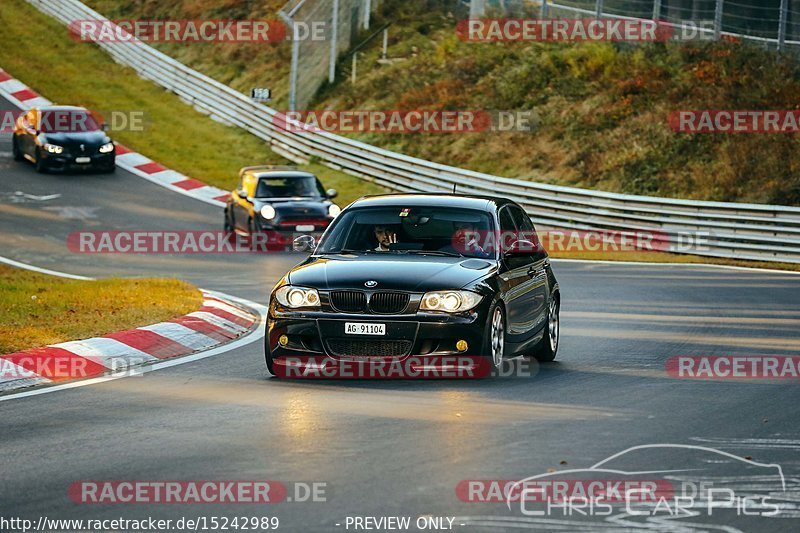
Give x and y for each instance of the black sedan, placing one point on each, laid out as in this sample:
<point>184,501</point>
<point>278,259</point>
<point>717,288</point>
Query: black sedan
<point>281,203</point>
<point>63,138</point>
<point>419,275</point>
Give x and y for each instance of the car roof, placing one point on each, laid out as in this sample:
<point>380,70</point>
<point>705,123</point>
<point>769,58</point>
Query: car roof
<point>464,201</point>
<point>283,174</point>
<point>62,108</point>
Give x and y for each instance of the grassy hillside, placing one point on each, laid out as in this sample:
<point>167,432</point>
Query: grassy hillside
<point>601,108</point>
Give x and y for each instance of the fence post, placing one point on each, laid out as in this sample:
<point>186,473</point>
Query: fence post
<point>477,8</point>
<point>656,9</point>
<point>545,10</point>
<point>718,19</point>
<point>353,75</point>
<point>295,60</point>
<point>599,8</point>
<point>367,13</point>
<point>385,51</point>
<point>782,27</point>
<point>334,39</point>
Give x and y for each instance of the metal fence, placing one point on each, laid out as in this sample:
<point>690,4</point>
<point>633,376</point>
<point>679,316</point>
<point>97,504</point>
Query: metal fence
<point>775,23</point>
<point>743,231</point>
<point>314,59</point>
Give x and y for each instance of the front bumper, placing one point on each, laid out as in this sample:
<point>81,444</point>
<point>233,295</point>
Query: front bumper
<point>320,333</point>
<point>67,161</point>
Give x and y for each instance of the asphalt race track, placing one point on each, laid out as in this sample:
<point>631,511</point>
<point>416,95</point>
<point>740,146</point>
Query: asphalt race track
<point>386,448</point>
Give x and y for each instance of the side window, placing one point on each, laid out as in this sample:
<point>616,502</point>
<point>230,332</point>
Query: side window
<point>526,229</point>
<point>507,221</point>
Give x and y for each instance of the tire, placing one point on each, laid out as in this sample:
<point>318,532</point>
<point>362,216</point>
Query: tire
<point>227,226</point>
<point>494,345</point>
<point>40,168</point>
<point>268,357</point>
<point>547,349</point>
<point>15,150</point>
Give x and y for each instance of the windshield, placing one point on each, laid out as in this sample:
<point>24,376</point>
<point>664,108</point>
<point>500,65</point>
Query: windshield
<point>287,187</point>
<point>409,230</point>
<point>67,121</point>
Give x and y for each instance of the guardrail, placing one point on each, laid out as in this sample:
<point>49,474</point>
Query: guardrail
<point>742,231</point>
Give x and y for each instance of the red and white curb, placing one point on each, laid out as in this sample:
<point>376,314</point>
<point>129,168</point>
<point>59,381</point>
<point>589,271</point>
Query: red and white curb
<point>25,98</point>
<point>124,353</point>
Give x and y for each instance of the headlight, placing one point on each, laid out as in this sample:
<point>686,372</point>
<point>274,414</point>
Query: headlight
<point>268,212</point>
<point>54,149</point>
<point>297,297</point>
<point>334,210</point>
<point>107,148</point>
<point>449,301</point>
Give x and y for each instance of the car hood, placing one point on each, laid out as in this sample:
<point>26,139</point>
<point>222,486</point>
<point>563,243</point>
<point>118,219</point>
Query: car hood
<point>414,273</point>
<point>295,206</point>
<point>89,138</point>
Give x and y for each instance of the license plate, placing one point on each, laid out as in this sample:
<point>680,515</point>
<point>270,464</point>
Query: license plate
<point>304,227</point>
<point>364,328</point>
<point>82,160</point>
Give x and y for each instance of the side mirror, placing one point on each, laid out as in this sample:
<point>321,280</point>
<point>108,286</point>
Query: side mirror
<point>304,243</point>
<point>332,193</point>
<point>105,126</point>
<point>241,194</point>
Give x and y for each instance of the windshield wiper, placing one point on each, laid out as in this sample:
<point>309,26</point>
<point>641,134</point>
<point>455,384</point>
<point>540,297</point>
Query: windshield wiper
<point>433,252</point>
<point>350,251</point>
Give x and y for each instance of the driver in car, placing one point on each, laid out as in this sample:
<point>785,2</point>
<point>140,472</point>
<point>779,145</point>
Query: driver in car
<point>385,236</point>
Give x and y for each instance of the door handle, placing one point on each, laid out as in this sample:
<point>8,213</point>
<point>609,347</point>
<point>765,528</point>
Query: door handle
<point>533,271</point>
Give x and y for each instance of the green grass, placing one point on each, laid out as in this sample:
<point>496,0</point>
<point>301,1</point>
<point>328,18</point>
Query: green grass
<point>77,73</point>
<point>39,309</point>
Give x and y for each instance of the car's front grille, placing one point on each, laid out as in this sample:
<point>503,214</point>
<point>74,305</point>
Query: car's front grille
<point>348,301</point>
<point>368,348</point>
<point>388,303</point>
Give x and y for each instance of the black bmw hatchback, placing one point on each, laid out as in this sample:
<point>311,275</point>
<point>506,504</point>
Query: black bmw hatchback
<point>419,275</point>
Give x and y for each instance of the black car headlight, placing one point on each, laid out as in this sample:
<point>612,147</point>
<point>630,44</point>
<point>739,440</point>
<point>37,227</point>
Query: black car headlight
<point>107,148</point>
<point>297,297</point>
<point>450,301</point>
